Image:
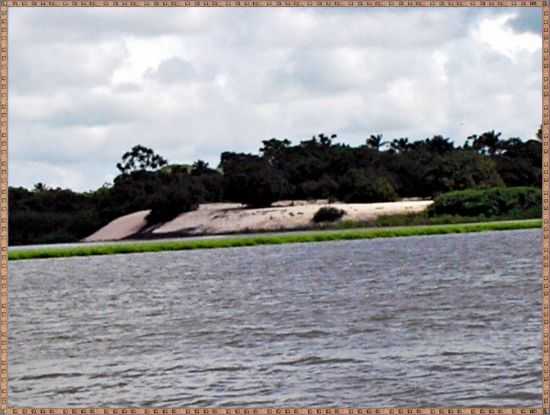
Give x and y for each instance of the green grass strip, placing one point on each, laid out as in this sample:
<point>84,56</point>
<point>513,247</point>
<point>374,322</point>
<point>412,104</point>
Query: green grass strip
<point>299,237</point>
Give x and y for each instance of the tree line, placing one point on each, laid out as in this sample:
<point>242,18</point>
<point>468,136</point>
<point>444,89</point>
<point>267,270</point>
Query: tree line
<point>319,168</point>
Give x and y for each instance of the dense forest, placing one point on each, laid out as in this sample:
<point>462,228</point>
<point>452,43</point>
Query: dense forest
<point>319,168</point>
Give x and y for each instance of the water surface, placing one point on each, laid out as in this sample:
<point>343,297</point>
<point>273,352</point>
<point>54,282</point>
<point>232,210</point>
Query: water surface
<point>449,320</point>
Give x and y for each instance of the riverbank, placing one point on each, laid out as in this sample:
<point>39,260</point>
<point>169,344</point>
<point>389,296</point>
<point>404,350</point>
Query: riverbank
<point>297,237</point>
<point>235,218</point>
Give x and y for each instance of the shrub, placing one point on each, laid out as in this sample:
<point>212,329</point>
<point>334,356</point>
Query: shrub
<point>328,214</point>
<point>512,202</point>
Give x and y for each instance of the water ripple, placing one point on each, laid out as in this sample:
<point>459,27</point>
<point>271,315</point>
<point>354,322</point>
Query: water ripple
<point>450,320</point>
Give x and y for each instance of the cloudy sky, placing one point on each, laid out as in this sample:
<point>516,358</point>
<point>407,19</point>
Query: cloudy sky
<point>88,84</point>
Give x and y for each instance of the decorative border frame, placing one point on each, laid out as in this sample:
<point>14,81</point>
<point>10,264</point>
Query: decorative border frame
<point>4,8</point>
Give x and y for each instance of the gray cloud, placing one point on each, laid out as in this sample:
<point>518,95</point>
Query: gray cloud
<point>90,25</point>
<point>528,20</point>
<point>87,84</point>
<point>58,66</point>
<point>172,70</point>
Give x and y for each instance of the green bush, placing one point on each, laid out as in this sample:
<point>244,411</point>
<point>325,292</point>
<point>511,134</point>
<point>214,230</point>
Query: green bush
<point>512,202</point>
<point>328,214</point>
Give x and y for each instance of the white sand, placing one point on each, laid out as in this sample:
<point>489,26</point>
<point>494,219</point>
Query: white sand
<point>120,228</point>
<point>216,218</point>
<point>233,218</point>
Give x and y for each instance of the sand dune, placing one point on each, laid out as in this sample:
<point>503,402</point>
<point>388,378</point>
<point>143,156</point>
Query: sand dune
<point>120,228</point>
<point>219,218</point>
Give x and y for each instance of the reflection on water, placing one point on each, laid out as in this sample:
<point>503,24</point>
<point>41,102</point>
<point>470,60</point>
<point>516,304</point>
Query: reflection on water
<point>421,321</point>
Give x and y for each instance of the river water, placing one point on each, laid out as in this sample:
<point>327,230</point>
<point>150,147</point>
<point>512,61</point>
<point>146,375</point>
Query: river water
<point>451,320</point>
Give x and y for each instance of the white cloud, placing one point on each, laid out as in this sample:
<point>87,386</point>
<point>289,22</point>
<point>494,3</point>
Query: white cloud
<point>500,37</point>
<point>144,54</point>
<point>87,84</point>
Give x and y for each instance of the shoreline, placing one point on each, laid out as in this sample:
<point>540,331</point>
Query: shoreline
<point>235,219</point>
<point>273,239</point>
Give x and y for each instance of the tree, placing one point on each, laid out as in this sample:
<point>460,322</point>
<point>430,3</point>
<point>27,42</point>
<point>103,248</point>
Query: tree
<point>363,186</point>
<point>487,143</point>
<point>140,158</point>
<point>273,150</point>
<point>400,145</point>
<point>311,169</point>
<point>176,194</point>
<point>323,188</point>
<point>375,142</point>
<point>251,180</point>
<point>520,162</point>
<point>460,170</point>
<point>200,168</point>
<point>130,193</point>
<point>326,141</point>
<point>40,187</point>
<point>439,144</point>
<point>50,215</point>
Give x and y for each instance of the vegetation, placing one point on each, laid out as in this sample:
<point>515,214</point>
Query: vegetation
<point>377,171</point>
<point>328,214</point>
<point>486,203</point>
<point>298,237</point>
<point>252,180</point>
<point>46,215</point>
<point>178,194</point>
<point>140,158</point>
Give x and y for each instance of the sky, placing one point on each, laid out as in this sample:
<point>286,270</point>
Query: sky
<point>87,84</point>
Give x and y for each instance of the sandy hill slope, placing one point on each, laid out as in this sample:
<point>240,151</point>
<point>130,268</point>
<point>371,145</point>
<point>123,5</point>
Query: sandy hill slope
<point>219,218</point>
<point>120,228</point>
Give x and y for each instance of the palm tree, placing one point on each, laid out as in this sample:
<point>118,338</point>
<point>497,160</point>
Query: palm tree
<point>375,142</point>
<point>325,140</point>
<point>40,187</point>
<point>487,143</point>
<point>400,144</point>
<point>200,167</point>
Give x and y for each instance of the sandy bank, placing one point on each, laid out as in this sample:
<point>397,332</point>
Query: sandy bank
<point>120,228</point>
<point>220,218</point>
<point>211,219</point>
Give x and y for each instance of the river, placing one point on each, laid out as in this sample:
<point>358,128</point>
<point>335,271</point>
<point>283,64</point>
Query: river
<point>449,320</point>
